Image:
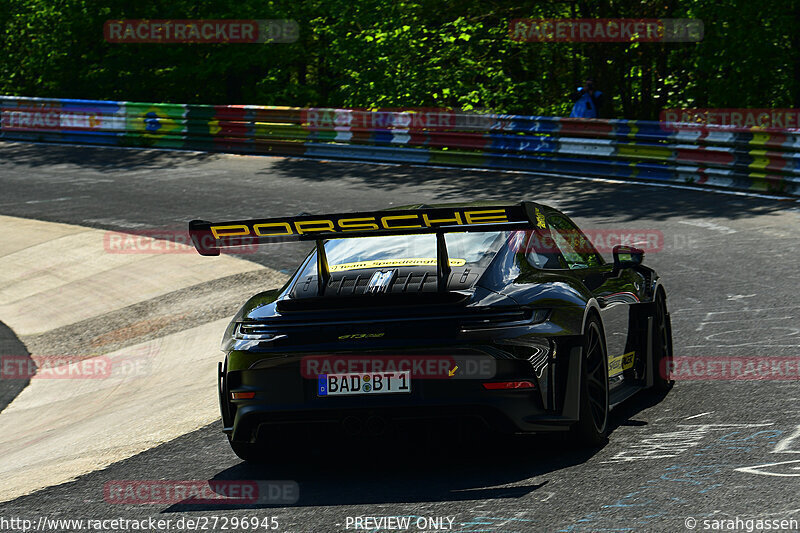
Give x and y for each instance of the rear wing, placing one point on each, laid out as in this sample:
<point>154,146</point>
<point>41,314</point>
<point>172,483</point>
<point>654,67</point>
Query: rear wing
<point>209,237</point>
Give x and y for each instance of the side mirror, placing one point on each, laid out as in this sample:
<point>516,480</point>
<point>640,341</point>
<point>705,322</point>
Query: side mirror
<point>627,256</point>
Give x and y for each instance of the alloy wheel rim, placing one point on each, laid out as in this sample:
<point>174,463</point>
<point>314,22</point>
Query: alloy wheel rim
<point>597,382</point>
<point>663,336</point>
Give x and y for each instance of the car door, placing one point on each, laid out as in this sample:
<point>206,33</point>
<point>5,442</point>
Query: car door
<point>615,292</point>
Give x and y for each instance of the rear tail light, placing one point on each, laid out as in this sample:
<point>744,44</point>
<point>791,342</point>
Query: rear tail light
<point>504,319</point>
<point>243,395</point>
<point>247,331</point>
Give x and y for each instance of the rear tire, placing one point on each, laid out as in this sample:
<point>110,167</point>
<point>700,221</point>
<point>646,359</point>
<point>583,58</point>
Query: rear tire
<point>591,430</point>
<point>662,346</point>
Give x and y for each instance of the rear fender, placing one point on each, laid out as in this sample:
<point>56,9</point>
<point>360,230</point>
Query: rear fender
<point>222,390</point>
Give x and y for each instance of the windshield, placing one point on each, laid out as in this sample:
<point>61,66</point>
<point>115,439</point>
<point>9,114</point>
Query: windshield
<point>477,248</point>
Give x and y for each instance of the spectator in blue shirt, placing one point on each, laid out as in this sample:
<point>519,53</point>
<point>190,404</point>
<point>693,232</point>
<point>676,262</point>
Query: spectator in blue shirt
<point>588,101</point>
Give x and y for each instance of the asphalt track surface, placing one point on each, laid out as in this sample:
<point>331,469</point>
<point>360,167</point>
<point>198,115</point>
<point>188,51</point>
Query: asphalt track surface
<point>708,450</point>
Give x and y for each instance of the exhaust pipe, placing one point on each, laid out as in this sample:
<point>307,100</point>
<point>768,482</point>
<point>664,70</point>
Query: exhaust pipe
<point>352,425</point>
<point>375,425</point>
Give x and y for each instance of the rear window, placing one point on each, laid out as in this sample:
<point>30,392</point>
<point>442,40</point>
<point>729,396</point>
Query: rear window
<point>477,248</point>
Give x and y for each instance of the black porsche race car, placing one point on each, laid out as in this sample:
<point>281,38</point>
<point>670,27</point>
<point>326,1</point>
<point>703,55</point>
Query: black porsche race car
<point>503,317</point>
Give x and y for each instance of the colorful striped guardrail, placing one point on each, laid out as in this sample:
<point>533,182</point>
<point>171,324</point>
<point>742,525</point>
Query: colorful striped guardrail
<point>713,156</point>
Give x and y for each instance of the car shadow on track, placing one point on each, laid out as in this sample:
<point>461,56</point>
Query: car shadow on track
<point>106,158</point>
<point>380,471</point>
<point>17,366</point>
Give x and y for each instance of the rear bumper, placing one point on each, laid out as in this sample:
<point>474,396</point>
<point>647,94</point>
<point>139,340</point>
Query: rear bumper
<point>505,415</point>
<point>284,401</point>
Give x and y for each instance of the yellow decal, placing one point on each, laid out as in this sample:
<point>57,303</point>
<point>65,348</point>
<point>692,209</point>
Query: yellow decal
<point>385,263</point>
<point>309,226</point>
<point>455,220</point>
<point>361,336</point>
<point>230,231</point>
<point>262,230</point>
<point>540,219</point>
<point>278,227</point>
<point>385,221</point>
<point>487,216</point>
<point>620,363</point>
<point>355,224</point>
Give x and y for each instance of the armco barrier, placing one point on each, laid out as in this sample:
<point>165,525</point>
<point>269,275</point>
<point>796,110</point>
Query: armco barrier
<point>714,156</point>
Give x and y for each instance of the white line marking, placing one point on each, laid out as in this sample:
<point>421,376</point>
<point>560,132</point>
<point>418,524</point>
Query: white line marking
<point>708,225</point>
<point>739,320</point>
<point>752,344</point>
<point>735,297</point>
<point>757,469</point>
<point>698,416</point>
<point>785,444</point>
<point>61,199</point>
<point>602,180</point>
<point>724,426</point>
<point>542,174</point>
<point>709,313</point>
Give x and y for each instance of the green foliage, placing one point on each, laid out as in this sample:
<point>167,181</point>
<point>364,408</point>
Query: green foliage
<point>408,53</point>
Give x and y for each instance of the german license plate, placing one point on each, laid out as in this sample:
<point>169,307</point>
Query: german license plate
<point>364,383</point>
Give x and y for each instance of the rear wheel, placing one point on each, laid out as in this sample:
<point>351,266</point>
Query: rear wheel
<point>662,346</point>
<point>592,426</point>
